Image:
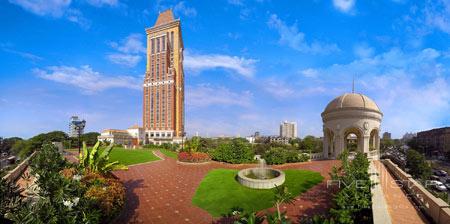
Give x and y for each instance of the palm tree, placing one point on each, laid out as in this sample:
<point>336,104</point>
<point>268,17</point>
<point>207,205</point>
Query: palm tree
<point>282,195</point>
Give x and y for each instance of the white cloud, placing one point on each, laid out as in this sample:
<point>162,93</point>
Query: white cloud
<point>181,8</point>
<point>437,15</point>
<point>236,2</point>
<point>363,50</point>
<point>100,3</point>
<point>76,16</point>
<point>205,95</point>
<point>128,60</point>
<point>55,8</point>
<point>277,87</point>
<point>344,5</point>
<point>130,50</point>
<point>22,54</point>
<point>199,62</point>
<point>131,44</point>
<point>310,73</point>
<point>86,79</point>
<point>412,89</point>
<point>293,38</point>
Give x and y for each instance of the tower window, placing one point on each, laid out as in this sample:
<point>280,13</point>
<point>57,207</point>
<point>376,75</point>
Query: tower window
<point>163,43</point>
<point>171,38</point>
<point>153,46</point>
<point>157,45</point>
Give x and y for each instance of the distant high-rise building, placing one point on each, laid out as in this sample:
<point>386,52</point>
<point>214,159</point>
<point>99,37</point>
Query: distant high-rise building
<point>408,136</point>
<point>387,136</point>
<point>436,139</point>
<point>163,106</point>
<point>74,124</point>
<point>288,129</point>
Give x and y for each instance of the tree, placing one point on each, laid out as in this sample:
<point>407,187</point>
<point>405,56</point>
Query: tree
<point>90,138</point>
<point>7,143</point>
<point>193,145</point>
<point>311,144</point>
<point>386,144</point>
<point>237,151</point>
<point>21,148</point>
<point>352,203</point>
<point>417,165</point>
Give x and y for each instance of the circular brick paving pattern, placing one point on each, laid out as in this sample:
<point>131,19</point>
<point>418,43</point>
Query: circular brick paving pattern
<point>162,191</point>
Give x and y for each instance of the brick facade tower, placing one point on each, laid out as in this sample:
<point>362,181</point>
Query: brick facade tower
<point>163,106</point>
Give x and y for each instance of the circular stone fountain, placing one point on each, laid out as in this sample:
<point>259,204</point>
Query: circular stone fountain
<point>261,177</point>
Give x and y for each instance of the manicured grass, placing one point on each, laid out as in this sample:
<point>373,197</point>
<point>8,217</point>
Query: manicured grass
<point>131,156</point>
<point>219,191</point>
<point>169,153</point>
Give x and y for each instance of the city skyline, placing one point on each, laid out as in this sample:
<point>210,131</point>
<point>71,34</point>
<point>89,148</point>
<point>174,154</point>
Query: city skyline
<point>88,58</point>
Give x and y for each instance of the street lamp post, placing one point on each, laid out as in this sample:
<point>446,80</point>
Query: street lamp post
<point>182,140</point>
<point>79,126</point>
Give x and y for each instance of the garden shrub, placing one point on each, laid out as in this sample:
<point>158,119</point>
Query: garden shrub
<point>281,156</point>
<point>352,204</point>
<point>237,151</point>
<point>193,157</point>
<point>109,193</point>
<point>10,198</point>
<point>64,195</point>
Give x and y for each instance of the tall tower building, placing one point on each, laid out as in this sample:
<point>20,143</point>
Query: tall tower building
<point>163,106</point>
<point>288,129</point>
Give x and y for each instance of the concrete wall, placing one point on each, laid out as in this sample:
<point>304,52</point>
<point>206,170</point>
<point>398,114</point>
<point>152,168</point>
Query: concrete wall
<point>14,174</point>
<point>434,207</point>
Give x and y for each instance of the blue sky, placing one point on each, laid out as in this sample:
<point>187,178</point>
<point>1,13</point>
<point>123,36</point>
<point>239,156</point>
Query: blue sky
<point>249,64</point>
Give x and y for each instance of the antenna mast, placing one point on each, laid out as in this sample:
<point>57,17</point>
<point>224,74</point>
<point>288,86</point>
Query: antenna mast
<point>353,84</point>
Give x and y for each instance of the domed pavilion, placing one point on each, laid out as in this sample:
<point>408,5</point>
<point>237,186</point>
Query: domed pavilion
<point>351,121</point>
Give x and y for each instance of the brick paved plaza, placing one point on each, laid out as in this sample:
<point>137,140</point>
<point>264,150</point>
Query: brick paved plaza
<point>162,191</point>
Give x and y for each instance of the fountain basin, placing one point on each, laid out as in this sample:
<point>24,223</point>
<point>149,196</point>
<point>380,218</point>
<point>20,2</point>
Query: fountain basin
<point>248,178</point>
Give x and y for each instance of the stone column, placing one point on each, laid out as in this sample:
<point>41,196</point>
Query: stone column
<point>326,141</point>
<point>366,143</point>
<point>377,142</point>
<point>340,145</point>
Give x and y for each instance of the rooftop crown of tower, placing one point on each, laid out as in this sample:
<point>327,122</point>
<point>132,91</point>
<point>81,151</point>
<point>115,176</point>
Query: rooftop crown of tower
<point>164,17</point>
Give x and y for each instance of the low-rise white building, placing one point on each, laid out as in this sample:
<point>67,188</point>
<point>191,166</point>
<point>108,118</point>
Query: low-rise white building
<point>131,137</point>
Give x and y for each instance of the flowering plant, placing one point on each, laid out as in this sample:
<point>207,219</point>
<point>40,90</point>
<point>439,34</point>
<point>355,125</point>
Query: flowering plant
<point>193,157</point>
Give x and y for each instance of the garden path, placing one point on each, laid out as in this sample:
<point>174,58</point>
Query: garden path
<point>400,206</point>
<point>162,191</point>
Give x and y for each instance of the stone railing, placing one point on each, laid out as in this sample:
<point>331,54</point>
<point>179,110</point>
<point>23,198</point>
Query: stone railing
<point>317,156</point>
<point>434,207</point>
<point>14,174</point>
<point>374,154</point>
<point>379,206</point>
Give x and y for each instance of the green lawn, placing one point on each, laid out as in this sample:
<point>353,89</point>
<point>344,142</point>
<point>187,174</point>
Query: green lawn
<point>219,191</point>
<point>131,156</point>
<point>169,153</point>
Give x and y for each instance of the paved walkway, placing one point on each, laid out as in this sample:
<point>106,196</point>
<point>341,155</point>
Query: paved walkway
<point>161,191</point>
<point>400,207</point>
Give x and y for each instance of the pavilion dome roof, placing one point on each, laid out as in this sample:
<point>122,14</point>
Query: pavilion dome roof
<point>352,101</point>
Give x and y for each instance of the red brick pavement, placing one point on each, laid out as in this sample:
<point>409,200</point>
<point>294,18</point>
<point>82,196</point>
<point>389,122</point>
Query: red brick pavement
<point>162,191</point>
<point>400,207</point>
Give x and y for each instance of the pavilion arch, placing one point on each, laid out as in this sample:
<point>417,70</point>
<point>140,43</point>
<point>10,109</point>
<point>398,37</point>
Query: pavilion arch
<point>358,141</point>
<point>351,113</point>
<point>374,139</point>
